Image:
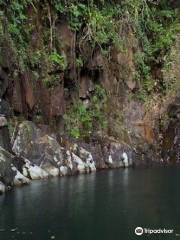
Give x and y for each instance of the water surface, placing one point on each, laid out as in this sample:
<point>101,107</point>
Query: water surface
<point>107,205</point>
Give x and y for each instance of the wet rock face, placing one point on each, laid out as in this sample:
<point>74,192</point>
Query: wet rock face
<point>19,178</point>
<point>3,121</point>
<point>4,112</point>
<point>171,136</point>
<point>45,157</point>
<point>3,82</point>
<point>110,154</point>
<point>6,172</point>
<point>2,188</point>
<point>39,155</point>
<point>9,173</point>
<point>4,132</point>
<point>43,150</point>
<point>4,138</point>
<point>5,108</point>
<point>34,144</point>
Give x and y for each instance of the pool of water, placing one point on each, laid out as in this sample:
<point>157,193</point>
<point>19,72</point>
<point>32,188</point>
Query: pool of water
<point>106,205</point>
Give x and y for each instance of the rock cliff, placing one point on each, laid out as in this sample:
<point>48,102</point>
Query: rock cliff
<point>87,87</point>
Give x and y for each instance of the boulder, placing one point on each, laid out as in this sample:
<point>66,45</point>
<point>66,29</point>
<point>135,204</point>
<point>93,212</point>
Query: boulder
<point>46,154</point>
<point>97,151</point>
<point>105,153</point>
<point>27,134</point>
<point>2,188</point>
<point>33,171</point>
<point>51,170</point>
<point>19,178</point>
<point>110,161</point>
<point>5,109</point>
<point>36,173</point>
<point>86,158</point>
<point>47,158</point>
<point>80,165</point>
<point>40,148</point>
<point>90,163</point>
<point>118,155</point>
<point>69,162</point>
<point>63,170</point>
<point>5,138</point>
<point>3,121</point>
<point>4,133</point>
<point>6,172</point>
<point>125,159</point>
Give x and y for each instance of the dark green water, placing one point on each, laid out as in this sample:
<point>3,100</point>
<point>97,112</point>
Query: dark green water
<point>107,205</point>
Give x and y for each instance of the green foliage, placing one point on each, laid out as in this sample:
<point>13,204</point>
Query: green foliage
<point>153,23</point>
<point>58,59</point>
<point>79,121</point>
<point>98,23</point>
<point>101,21</point>
<point>155,27</point>
<point>104,27</point>
<point>51,81</point>
<point>36,58</point>
<point>14,17</point>
<point>79,62</point>
<point>76,13</point>
<point>142,67</point>
<point>101,25</point>
<point>82,121</point>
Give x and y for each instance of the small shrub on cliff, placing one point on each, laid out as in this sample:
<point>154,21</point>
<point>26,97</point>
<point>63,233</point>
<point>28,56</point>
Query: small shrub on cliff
<point>82,121</point>
<point>98,21</point>
<point>58,59</point>
<point>103,27</point>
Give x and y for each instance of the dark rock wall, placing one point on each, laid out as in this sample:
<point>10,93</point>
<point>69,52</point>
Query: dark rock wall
<point>171,135</point>
<point>24,94</point>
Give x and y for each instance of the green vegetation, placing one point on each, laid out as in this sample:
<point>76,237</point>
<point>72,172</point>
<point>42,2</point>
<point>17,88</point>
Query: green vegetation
<point>30,29</point>
<point>59,60</point>
<point>82,121</point>
<point>155,26</point>
<point>100,22</point>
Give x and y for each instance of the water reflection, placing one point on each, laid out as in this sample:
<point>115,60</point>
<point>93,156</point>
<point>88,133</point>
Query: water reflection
<point>92,206</point>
